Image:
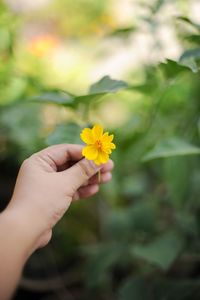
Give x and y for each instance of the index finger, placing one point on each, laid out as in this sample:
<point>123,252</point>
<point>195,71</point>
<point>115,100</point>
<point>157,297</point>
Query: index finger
<point>58,155</point>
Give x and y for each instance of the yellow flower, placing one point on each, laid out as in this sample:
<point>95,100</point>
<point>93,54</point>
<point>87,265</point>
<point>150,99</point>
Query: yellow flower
<point>99,144</point>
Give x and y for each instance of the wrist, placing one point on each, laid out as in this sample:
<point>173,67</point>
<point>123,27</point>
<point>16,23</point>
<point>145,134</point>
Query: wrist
<point>23,234</point>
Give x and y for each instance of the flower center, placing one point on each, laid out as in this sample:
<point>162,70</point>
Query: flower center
<point>98,144</point>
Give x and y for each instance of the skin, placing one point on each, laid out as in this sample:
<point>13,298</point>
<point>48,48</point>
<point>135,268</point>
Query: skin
<point>47,183</point>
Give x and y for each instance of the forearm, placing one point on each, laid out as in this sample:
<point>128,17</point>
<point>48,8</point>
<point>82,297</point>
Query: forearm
<point>15,248</point>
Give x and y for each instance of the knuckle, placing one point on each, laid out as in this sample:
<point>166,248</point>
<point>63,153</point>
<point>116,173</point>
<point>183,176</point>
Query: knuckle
<point>26,163</point>
<point>87,168</point>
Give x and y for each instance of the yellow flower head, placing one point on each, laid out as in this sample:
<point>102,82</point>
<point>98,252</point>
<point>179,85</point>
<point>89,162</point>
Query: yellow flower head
<point>99,144</point>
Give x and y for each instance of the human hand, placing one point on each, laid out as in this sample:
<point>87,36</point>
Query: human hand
<point>47,183</point>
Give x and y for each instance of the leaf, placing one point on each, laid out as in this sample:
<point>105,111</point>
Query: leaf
<point>187,223</point>
<point>176,171</point>
<point>107,85</point>
<point>189,58</point>
<point>123,32</point>
<point>171,147</point>
<point>89,98</point>
<point>181,289</point>
<point>135,221</point>
<point>194,53</point>
<point>138,288</point>
<point>58,97</point>
<point>188,21</point>
<point>162,252</point>
<point>65,133</point>
<point>192,38</point>
<point>134,288</point>
<point>101,259</point>
<point>172,68</point>
<point>99,89</point>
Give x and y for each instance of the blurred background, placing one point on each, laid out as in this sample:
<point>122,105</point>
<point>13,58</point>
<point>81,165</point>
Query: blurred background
<point>132,66</point>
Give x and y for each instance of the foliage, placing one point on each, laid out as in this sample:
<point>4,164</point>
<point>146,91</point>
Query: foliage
<point>139,238</point>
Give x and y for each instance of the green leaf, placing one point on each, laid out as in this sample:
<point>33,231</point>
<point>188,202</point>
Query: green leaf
<point>58,97</point>
<point>65,133</point>
<point>162,252</point>
<point>171,147</point>
<point>104,86</point>
<point>181,289</point>
<point>189,58</point>
<point>89,98</point>
<point>171,68</point>
<point>194,53</point>
<point>134,289</point>
<point>192,38</point>
<point>133,222</point>
<point>187,223</point>
<point>188,21</point>
<point>123,32</point>
<point>107,85</point>
<point>138,288</point>
<point>177,175</point>
<point>99,89</point>
<point>101,259</point>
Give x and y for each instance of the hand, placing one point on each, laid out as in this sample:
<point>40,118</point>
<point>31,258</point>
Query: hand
<point>47,183</point>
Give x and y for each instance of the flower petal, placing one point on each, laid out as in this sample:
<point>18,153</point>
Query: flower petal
<point>103,157</point>
<point>112,146</point>
<point>97,131</point>
<point>97,161</point>
<point>108,147</point>
<point>107,138</point>
<point>107,150</point>
<point>87,136</point>
<point>90,152</point>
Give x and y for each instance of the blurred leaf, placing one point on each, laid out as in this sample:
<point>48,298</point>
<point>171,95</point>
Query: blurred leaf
<point>177,173</point>
<point>21,122</point>
<point>188,21</point>
<point>65,133</point>
<point>171,147</point>
<point>154,7</point>
<point>182,289</point>
<point>189,58</point>
<point>14,90</point>
<point>134,185</point>
<point>187,223</point>
<point>162,252</point>
<point>107,85</point>
<point>101,260</point>
<point>104,86</point>
<point>134,289</point>
<point>5,39</point>
<point>123,32</point>
<point>62,98</point>
<point>172,68</point>
<point>132,222</point>
<point>193,38</point>
<point>138,288</point>
<point>89,98</point>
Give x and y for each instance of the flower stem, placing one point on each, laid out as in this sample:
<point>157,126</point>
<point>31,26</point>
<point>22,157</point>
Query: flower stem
<point>99,176</point>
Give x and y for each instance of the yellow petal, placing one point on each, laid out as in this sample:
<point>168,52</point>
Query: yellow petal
<point>90,152</point>
<point>107,138</point>
<point>103,157</point>
<point>108,147</point>
<point>112,146</point>
<point>97,161</point>
<point>107,150</point>
<point>97,131</point>
<point>87,136</point>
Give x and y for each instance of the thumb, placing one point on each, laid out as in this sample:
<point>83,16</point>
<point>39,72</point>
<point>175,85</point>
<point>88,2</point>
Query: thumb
<point>79,173</point>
